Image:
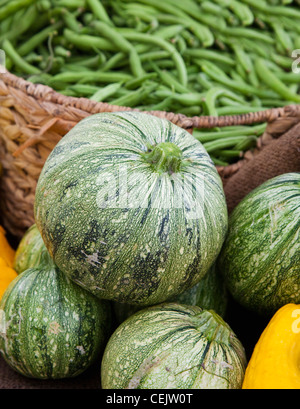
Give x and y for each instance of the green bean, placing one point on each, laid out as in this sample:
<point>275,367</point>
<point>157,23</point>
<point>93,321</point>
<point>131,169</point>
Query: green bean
<point>228,153</point>
<point>248,33</point>
<point>227,132</point>
<point>242,11</point>
<point>90,76</point>
<point>282,37</point>
<point>84,89</point>
<point>177,16</point>
<point>289,77</point>
<point>243,88</point>
<point>33,58</point>
<point>42,78</point>
<point>235,110</point>
<point>204,81</point>
<point>134,97</point>
<point>70,4</point>
<point>191,110</point>
<point>210,55</point>
<point>17,59</point>
<point>213,8</point>
<point>154,55</point>
<point>142,11</point>
<point>176,57</point>
<point>222,143</point>
<point>13,6</point>
<point>218,162</point>
<point>70,21</point>
<point>37,39</point>
<point>187,99</point>
<point>24,23</point>
<point>103,93</point>
<point>210,99</point>
<point>270,79</point>
<point>169,31</point>
<point>163,105</point>
<point>282,61</point>
<point>168,79</point>
<point>246,144</point>
<point>121,43</point>
<point>99,11</point>
<point>63,52</point>
<point>88,42</point>
<point>44,5</point>
<point>278,11</point>
<point>136,82</point>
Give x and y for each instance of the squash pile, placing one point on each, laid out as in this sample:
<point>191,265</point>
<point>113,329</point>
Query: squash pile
<point>133,255</point>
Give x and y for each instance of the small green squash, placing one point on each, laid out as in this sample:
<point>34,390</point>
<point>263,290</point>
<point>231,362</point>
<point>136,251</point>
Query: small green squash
<point>210,294</point>
<point>50,328</point>
<point>131,207</point>
<point>260,259</point>
<point>29,250</point>
<point>173,346</point>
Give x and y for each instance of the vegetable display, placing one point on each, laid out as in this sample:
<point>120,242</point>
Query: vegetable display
<point>260,259</point>
<point>196,57</point>
<point>274,363</point>
<point>50,327</point>
<point>133,264</point>
<point>131,207</point>
<point>172,346</point>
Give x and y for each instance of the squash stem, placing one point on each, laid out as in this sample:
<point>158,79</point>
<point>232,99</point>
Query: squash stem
<point>164,157</point>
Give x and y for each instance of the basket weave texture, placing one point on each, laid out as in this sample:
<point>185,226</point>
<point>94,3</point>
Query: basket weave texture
<point>33,118</point>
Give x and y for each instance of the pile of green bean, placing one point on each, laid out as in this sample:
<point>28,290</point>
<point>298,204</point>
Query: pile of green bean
<point>210,57</point>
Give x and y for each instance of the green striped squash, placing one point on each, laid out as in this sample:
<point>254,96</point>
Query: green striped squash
<point>260,258</point>
<point>173,346</point>
<point>50,328</point>
<point>29,250</point>
<point>131,207</point>
<point>209,293</point>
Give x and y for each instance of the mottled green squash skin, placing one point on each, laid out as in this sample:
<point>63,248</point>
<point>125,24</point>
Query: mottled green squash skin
<point>50,328</point>
<point>30,250</point>
<point>210,294</point>
<point>113,224</point>
<point>173,346</point>
<point>260,259</point>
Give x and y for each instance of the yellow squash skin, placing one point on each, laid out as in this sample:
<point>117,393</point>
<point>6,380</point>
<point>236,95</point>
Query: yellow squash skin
<point>7,254</point>
<point>275,362</point>
<point>6,251</point>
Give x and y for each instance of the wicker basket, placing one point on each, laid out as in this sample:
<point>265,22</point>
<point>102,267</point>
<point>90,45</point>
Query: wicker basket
<point>33,118</point>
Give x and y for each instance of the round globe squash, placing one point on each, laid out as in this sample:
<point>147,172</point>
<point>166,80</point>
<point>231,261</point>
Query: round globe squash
<point>50,328</point>
<point>29,250</point>
<point>173,346</point>
<point>260,258</point>
<point>131,207</point>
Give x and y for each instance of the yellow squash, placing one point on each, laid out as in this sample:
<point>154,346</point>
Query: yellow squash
<point>7,275</point>
<point>275,362</point>
<point>6,251</point>
<point>7,254</point>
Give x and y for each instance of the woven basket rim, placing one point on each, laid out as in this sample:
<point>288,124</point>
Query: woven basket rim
<point>46,93</point>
